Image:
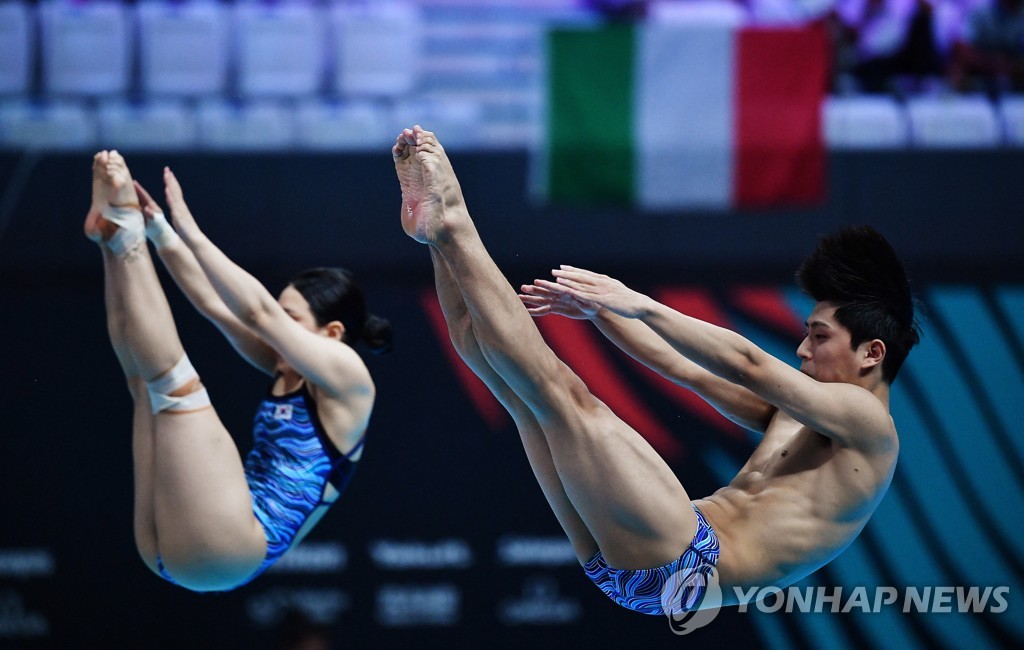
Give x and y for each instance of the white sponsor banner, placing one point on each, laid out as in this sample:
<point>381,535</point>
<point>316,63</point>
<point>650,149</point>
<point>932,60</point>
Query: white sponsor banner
<point>417,605</point>
<point>415,554</point>
<point>313,557</point>
<point>19,622</point>
<point>514,550</point>
<point>322,606</point>
<point>25,563</point>
<point>539,604</point>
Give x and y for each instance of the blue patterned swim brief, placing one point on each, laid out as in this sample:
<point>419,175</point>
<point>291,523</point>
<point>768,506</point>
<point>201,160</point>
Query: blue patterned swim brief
<point>641,589</point>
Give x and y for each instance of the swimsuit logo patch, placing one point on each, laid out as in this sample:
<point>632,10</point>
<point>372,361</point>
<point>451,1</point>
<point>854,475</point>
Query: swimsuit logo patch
<point>283,412</point>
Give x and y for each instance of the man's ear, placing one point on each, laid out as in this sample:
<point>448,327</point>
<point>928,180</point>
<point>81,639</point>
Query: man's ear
<point>874,353</point>
<point>336,330</point>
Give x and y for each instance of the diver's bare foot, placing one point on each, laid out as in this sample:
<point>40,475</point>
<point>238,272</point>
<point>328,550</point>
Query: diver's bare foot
<point>432,204</point>
<point>96,227</point>
<point>120,189</point>
<point>115,204</point>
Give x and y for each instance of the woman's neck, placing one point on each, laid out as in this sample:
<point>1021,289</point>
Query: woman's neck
<point>290,381</point>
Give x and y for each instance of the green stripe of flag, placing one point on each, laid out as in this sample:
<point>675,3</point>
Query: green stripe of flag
<point>590,115</point>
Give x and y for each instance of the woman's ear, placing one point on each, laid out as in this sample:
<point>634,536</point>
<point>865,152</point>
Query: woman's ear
<point>336,330</point>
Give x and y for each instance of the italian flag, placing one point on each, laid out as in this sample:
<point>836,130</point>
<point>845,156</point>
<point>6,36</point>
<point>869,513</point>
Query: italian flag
<point>676,117</point>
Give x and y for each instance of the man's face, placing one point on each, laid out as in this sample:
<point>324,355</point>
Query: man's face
<point>825,352</point>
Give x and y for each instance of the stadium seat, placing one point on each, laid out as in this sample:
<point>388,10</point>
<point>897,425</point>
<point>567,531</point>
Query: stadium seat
<point>1011,113</point>
<point>16,46</point>
<point>183,48</point>
<point>62,125</point>
<point>460,124</point>
<point>864,122</point>
<point>377,49</point>
<point>153,125</point>
<point>258,125</point>
<point>280,49</point>
<point>86,49</point>
<point>953,122</point>
<point>342,125</point>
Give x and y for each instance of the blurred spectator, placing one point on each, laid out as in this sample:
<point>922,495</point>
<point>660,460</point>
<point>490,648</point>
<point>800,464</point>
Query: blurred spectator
<point>788,13</point>
<point>618,10</point>
<point>298,631</point>
<point>990,53</point>
<point>881,42</point>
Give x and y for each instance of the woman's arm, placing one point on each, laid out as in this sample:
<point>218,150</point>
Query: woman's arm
<point>188,275</point>
<point>335,369</point>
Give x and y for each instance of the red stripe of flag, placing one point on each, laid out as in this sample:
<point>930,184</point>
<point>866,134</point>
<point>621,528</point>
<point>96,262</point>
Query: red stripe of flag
<point>781,80</point>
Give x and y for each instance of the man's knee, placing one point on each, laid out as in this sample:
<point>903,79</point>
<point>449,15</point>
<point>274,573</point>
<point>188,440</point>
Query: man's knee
<point>562,391</point>
<point>460,331</point>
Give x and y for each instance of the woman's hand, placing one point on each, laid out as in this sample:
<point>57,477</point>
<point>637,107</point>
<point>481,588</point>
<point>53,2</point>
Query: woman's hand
<point>184,222</point>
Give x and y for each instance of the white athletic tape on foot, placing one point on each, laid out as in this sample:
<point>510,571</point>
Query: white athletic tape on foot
<point>159,231</point>
<point>128,217</point>
<point>129,235</point>
<point>181,374</point>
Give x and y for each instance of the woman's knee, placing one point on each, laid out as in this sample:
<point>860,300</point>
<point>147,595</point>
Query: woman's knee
<point>178,390</point>
<point>137,389</point>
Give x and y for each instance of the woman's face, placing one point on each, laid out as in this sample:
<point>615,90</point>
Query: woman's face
<point>297,307</point>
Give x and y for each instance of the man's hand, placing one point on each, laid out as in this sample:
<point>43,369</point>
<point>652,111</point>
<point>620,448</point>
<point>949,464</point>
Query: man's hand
<point>540,300</point>
<point>601,290</point>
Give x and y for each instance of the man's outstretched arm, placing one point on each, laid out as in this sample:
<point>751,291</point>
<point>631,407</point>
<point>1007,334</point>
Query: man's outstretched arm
<point>847,413</point>
<point>640,342</point>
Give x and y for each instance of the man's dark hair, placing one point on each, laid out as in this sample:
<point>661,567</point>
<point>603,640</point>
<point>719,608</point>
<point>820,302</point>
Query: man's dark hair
<point>859,271</point>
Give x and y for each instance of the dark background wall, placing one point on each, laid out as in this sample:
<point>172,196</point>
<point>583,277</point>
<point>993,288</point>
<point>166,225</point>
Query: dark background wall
<point>417,553</point>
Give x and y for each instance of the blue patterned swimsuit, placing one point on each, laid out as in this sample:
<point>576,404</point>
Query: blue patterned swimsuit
<point>291,462</point>
<point>642,589</point>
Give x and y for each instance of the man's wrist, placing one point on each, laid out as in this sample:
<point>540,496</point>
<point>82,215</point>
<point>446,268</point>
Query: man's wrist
<point>647,308</point>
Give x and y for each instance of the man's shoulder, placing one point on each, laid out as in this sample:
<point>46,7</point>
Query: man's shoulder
<point>867,416</point>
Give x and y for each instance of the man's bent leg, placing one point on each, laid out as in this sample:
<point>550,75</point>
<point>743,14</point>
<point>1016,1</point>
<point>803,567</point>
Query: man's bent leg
<point>460,330</point>
<point>627,496</point>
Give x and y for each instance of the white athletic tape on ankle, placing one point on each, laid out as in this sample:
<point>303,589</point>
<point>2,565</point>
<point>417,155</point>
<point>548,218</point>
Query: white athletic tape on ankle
<point>125,241</point>
<point>128,217</point>
<point>180,375</point>
<point>159,231</point>
<point>129,235</point>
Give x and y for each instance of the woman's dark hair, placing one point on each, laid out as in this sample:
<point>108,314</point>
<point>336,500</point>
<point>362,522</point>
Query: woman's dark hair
<point>333,295</point>
<point>858,270</point>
